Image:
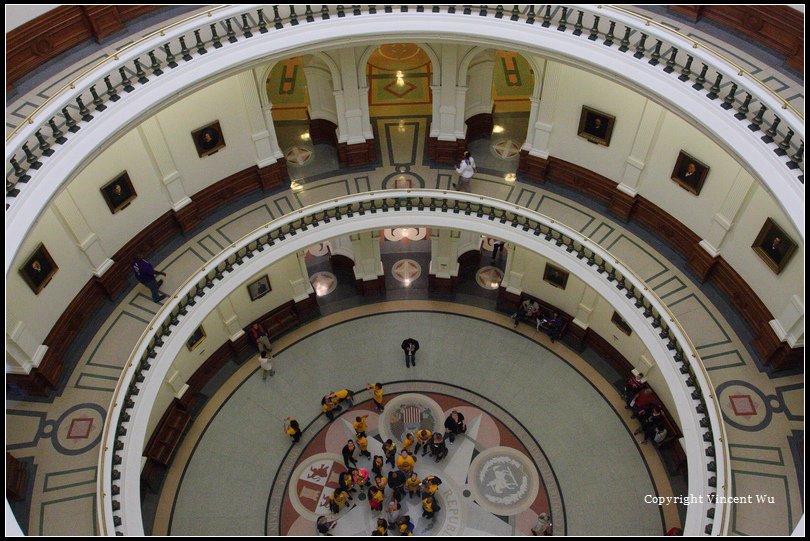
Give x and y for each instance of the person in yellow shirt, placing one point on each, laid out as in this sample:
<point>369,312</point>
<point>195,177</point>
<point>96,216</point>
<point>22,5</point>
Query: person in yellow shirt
<point>390,451</point>
<point>360,425</point>
<point>405,462</point>
<point>404,526</point>
<point>292,429</point>
<point>362,443</point>
<point>430,507</point>
<point>344,395</point>
<point>329,406</point>
<point>339,498</point>
<point>423,439</point>
<point>375,498</point>
<point>408,442</point>
<point>413,484</point>
<point>376,391</point>
<point>382,527</point>
<point>430,485</point>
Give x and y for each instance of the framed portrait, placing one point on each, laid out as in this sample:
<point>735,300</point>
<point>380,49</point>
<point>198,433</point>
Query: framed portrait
<point>621,324</point>
<point>119,193</point>
<point>208,139</point>
<point>596,126</point>
<point>38,269</point>
<point>774,246</point>
<point>690,173</point>
<point>259,288</point>
<point>555,276</point>
<point>196,338</point>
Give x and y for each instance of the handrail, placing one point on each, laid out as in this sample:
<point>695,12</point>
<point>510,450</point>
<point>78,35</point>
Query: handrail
<point>161,31</point>
<point>71,85</point>
<point>29,145</point>
<point>699,44</point>
<point>523,225</point>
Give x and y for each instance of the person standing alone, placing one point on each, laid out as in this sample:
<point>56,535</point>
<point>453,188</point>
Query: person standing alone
<point>465,170</point>
<point>410,346</point>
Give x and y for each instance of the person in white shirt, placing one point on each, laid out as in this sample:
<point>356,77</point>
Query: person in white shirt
<point>266,364</point>
<point>465,170</point>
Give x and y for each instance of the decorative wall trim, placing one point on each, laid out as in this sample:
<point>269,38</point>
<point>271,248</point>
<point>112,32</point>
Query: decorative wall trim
<point>59,30</point>
<point>445,151</point>
<point>779,28</point>
<point>479,126</point>
<point>358,154</point>
<point>679,237</point>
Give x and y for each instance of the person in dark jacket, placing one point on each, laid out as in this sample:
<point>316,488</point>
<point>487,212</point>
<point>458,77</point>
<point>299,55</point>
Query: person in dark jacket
<point>410,346</point>
<point>348,454</point>
<point>454,424</point>
<point>145,274</point>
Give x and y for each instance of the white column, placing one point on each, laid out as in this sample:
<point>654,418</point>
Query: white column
<point>368,132</point>
<point>585,308</point>
<point>435,119</point>
<point>443,253</point>
<point>540,131</point>
<point>730,208</point>
<point>23,352</point>
<point>154,140</point>
<point>515,269</point>
<point>353,114</point>
<point>367,261</point>
<point>789,326</point>
<point>263,134</point>
<point>70,215</point>
<point>273,148</point>
<point>652,117</point>
<point>447,97</point>
<point>320,92</point>
<point>301,286</point>
<point>461,126</point>
<point>230,319</point>
<point>479,82</point>
<point>342,246</point>
<point>340,108</point>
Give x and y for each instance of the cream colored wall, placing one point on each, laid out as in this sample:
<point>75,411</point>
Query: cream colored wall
<point>221,101</point>
<point>187,362</point>
<point>774,290</point>
<point>578,88</point>
<point>131,155</point>
<point>656,184</point>
<point>40,312</point>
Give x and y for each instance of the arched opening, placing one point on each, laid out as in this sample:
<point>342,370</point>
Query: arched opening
<point>304,115</point>
<point>500,85</point>
<point>399,77</point>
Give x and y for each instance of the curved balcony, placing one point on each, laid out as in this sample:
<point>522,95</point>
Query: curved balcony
<point>124,435</point>
<point>54,143</point>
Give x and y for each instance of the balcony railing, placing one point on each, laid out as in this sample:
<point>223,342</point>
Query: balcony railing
<point>699,412</point>
<point>104,87</point>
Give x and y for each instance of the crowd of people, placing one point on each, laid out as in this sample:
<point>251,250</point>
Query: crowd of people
<point>646,408</point>
<point>530,311</point>
<point>400,481</point>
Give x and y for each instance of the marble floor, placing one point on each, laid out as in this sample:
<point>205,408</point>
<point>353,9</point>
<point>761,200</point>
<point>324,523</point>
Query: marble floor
<point>58,438</point>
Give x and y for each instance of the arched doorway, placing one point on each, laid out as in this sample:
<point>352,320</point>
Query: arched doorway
<point>304,115</point>
<point>400,100</point>
<point>500,87</point>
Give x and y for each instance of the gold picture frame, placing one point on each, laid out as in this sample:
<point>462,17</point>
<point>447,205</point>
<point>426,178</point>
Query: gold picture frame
<point>208,139</point>
<point>596,126</point>
<point>196,338</point>
<point>774,246</point>
<point>39,269</point>
<point>689,173</point>
<point>119,193</point>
